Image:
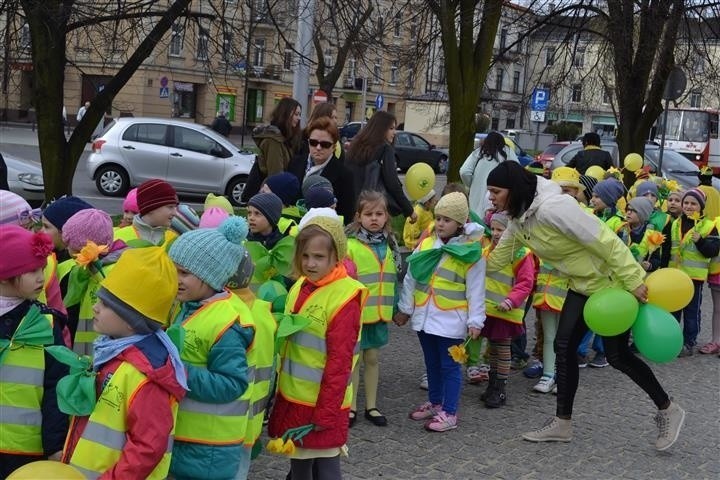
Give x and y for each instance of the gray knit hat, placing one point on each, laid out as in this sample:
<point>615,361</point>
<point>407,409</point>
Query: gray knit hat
<point>269,205</point>
<point>642,206</point>
<point>315,181</point>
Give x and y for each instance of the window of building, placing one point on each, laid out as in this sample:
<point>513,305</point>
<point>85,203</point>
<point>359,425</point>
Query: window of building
<point>397,25</point>
<point>329,58</point>
<point>227,43</point>
<point>176,40</point>
<point>413,28</point>
<point>380,26</point>
<point>442,74</point>
<point>699,64</point>
<point>607,96</point>
<point>510,122</point>
<point>495,123</point>
<point>202,44</point>
<point>288,58</point>
<point>393,72</point>
<point>25,39</point>
<point>259,52</point>
<point>577,93</point>
<point>410,80</point>
<point>377,70</point>
<point>696,99</point>
<point>549,56</point>
<point>351,68</point>
<point>260,7</point>
<point>503,38</point>
<point>183,100</point>
<point>518,45</point>
<point>499,79</point>
<point>579,58</point>
<point>516,82</point>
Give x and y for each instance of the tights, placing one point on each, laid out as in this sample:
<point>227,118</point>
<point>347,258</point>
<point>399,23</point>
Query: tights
<point>571,330</point>
<point>500,357</point>
<point>371,378</point>
<point>549,322</point>
<point>316,469</point>
<point>715,291</point>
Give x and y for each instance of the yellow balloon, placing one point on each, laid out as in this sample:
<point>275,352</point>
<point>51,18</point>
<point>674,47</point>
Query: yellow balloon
<point>595,172</point>
<point>633,162</point>
<point>669,288</point>
<point>46,469</point>
<point>419,180</point>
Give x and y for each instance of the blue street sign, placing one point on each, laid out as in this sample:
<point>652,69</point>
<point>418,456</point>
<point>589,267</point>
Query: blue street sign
<point>164,92</point>
<point>539,99</point>
<point>379,101</point>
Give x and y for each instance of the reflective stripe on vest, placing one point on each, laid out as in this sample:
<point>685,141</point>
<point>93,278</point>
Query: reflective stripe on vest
<point>550,289</point>
<point>447,284</point>
<point>305,352</point>
<point>64,268</point>
<point>380,278</point>
<point>85,334</point>
<point>685,255</point>
<point>101,443</point>
<point>22,374</point>
<point>210,423</point>
<point>498,286</point>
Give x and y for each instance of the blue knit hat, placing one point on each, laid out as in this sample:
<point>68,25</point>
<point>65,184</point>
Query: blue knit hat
<point>60,211</point>
<point>212,254</point>
<point>647,187</point>
<point>285,185</point>
<point>318,197</point>
<point>609,190</point>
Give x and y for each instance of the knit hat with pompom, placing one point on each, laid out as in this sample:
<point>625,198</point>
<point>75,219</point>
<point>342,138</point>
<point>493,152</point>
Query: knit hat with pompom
<point>212,254</point>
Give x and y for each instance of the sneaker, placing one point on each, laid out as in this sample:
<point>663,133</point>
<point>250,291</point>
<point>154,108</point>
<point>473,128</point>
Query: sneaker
<point>554,389</point>
<point>556,430</point>
<point>425,411</point>
<point>534,370</point>
<point>476,374</point>
<point>687,351</point>
<point>582,361</point>
<point>599,361</point>
<point>423,382</point>
<point>669,422</point>
<point>546,384</point>
<point>441,422</point>
<point>518,363</point>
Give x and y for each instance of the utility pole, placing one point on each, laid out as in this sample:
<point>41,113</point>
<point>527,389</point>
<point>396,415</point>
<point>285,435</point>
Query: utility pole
<point>303,47</point>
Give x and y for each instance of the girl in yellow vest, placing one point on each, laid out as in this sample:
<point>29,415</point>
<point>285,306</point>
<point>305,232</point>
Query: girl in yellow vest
<point>443,295</point>
<point>373,248</point>
<point>126,430</point>
<point>694,242</point>
<point>214,330</point>
<point>158,204</point>
<point>505,294</point>
<point>713,346</point>
<point>32,427</point>
<point>316,363</point>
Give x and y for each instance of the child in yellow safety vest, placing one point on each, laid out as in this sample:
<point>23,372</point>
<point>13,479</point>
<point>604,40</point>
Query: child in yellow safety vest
<point>641,233</point>
<point>443,295</point>
<point>505,294</point>
<point>125,428</point>
<point>412,231</point>
<point>214,331</point>
<point>32,427</point>
<point>314,392</point>
<point>373,249</point>
<point>694,243</point>
<point>157,205</point>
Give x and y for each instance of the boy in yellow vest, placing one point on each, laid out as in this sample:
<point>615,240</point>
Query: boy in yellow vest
<point>215,332</point>
<point>157,202</point>
<point>139,377</point>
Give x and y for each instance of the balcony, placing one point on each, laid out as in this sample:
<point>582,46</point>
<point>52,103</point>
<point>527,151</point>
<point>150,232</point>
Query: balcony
<point>270,72</point>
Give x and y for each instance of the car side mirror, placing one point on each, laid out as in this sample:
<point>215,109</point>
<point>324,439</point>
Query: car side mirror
<point>217,152</point>
<point>431,147</point>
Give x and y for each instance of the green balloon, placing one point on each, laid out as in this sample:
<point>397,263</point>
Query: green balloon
<point>610,312</point>
<point>657,334</point>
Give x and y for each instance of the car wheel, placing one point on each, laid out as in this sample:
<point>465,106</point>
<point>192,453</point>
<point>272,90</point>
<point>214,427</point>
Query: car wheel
<point>442,164</point>
<point>112,181</point>
<point>235,189</point>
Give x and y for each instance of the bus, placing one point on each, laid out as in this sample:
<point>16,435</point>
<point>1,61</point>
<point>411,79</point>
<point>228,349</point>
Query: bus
<point>693,133</point>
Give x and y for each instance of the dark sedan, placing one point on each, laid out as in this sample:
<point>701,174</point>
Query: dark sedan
<point>411,148</point>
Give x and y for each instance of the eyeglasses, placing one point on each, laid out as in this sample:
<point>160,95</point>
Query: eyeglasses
<point>314,143</point>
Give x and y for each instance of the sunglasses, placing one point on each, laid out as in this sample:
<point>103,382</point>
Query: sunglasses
<point>314,143</point>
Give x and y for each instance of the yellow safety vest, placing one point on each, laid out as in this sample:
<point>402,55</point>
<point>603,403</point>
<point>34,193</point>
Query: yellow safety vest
<point>261,361</point>
<point>64,268</point>
<point>714,268</point>
<point>378,277</point>
<point>85,335</point>
<point>130,233</point>
<point>305,355</point>
<point>685,255</point>
<point>447,284</point>
<point>550,288</point>
<point>105,434</point>
<point>212,423</point>
<point>48,272</point>
<point>497,287</point>
<point>22,373</point>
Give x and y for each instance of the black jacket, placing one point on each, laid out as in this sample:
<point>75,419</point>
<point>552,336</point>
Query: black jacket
<point>586,158</point>
<point>340,178</point>
<point>222,126</point>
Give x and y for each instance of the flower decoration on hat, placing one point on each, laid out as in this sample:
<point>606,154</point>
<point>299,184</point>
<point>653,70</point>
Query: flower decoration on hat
<point>613,172</point>
<point>40,245</point>
<point>90,255</point>
<point>667,187</point>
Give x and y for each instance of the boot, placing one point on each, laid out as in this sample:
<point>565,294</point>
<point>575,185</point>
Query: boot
<point>497,397</point>
<point>491,386</point>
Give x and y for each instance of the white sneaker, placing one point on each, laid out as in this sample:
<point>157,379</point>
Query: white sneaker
<point>546,384</point>
<point>556,430</point>
<point>669,422</point>
<point>424,382</point>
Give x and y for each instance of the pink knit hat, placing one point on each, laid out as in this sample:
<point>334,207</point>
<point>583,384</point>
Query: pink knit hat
<point>87,225</point>
<point>13,208</point>
<point>130,203</point>
<point>213,217</point>
<point>23,251</point>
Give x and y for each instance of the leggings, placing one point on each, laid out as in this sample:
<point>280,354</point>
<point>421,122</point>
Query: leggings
<point>571,330</point>
<point>715,291</point>
<point>316,469</point>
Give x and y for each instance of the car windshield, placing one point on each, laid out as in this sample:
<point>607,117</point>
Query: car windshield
<point>672,161</point>
<point>554,148</point>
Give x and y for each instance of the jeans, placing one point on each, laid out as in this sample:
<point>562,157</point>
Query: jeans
<point>570,332</point>
<point>444,373</point>
<point>690,316</point>
<point>597,344</point>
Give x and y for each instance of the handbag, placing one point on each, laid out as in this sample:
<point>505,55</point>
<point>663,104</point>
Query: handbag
<point>374,181</point>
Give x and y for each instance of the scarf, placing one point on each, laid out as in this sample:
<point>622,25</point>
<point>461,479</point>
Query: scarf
<point>422,264</point>
<point>371,238</point>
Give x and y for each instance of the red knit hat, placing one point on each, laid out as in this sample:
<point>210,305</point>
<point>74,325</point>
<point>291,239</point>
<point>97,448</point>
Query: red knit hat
<point>23,251</point>
<point>154,194</point>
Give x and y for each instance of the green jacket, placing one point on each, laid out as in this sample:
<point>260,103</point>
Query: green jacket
<point>274,154</point>
<point>579,245</point>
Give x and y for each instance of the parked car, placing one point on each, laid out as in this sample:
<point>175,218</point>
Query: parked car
<point>547,155</point>
<point>191,157</point>
<point>675,166</point>
<point>25,178</point>
<point>523,157</point>
<point>349,130</point>
<point>411,148</point>
<point>569,151</point>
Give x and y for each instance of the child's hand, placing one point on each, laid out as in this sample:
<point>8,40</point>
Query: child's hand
<point>473,332</point>
<point>505,306</point>
<point>695,236</point>
<point>401,319</point>
<point>413,217</point>
<point>646,265</point>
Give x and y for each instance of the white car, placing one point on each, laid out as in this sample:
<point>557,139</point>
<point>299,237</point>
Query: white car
<point>191,157</point>
<point>25,178</point>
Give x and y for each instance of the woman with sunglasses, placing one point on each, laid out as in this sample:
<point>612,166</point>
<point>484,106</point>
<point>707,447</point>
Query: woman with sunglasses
<point>371,159</point>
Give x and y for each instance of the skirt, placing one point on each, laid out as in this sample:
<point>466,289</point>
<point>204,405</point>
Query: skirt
<point>499,329</point>
<point>374,335</point>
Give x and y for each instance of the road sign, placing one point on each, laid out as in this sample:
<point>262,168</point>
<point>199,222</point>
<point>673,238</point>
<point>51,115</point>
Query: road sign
<point>320,97</point>
<point>164,92</point>
<point>163,81</point>
<point>379,101</point>
<point>537,116</point>
<point>539,99</point>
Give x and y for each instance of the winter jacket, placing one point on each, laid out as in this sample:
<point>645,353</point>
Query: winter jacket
<point>341,338</point>
<point>274,157</point>
<point>268,241</point>
<point>579,245</point>
<point>413,231</point>
<point>342,182</point>
<point>474,173</point>
<point>150,417</point>
<point>589,156</point>
<point>54,422</point>
<point>221,125</point>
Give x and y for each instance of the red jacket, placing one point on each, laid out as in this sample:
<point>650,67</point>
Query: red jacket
<point>331,421</point>
<point>150,419</point>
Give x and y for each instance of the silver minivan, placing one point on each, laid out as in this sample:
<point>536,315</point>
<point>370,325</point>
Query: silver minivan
<point>191,157</point>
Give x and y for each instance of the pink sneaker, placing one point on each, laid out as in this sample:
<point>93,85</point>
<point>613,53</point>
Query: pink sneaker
<point>441,422</point>
<point>425,411</point>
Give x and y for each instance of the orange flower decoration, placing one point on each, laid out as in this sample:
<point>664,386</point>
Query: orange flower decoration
<point>655,239</point>
<point>90,253</point>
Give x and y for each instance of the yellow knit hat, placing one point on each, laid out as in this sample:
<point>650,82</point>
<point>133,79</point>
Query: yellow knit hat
<point>454,206</point>
<point>567,177</point>
<point>328,220</point>
<point>219,201</point>
<point>144,279</point>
